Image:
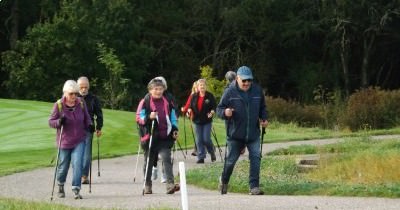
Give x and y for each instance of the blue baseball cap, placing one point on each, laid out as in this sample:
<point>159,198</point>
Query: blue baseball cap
<point>244,72</point>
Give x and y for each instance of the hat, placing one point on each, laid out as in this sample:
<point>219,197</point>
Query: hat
<point>162,80</point>
<point>244,72</point>
<point>70,86</point>
<point>230,76</point>
<point>155,82</point>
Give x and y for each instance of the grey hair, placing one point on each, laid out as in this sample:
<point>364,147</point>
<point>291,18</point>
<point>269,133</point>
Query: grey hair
<point>70,86</point>
<point>230,76</point>
<point>83,79</point>
<point>163,81</point>
<point>155,83</point>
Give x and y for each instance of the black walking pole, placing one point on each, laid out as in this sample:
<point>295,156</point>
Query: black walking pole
<point>262,140</point>
<point>226,152</point>
<point>58,158</point>
<point>180,148</point>
<point>90,166</point>
<point>98,156</point>
<point>194,139</point>
<point>148,156</point>
<point>184,131</point>
<point>216,140</point>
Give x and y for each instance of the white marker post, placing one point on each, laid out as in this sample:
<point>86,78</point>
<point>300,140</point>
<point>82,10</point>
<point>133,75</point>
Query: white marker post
<point>184,197</point>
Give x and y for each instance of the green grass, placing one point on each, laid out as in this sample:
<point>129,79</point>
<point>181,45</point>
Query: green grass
<point>27,142</point>
<point>15,204</point>
<point>356,167</point>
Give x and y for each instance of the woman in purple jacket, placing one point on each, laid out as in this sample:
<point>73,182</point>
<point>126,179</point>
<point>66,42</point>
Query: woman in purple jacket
<point>70,117</point>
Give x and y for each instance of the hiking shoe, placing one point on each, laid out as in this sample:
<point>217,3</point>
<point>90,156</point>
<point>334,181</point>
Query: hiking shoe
<point>200,161</point>
<point>85,180</point>
<point>163,178</point>
<point>61,192</point>
<point>194,153</point>
<point>172,188</point>
<point>223,188</point>
<point>256,191</point>
<point>147,189</point>
<point>154,173</point>
<point>76,194</point>
<point>213,157</point>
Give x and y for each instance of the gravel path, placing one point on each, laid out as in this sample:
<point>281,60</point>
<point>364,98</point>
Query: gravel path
<point>115,189</point>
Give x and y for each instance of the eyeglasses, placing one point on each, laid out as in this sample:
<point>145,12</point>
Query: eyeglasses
<point>247,80</point>
<point>71,94</point>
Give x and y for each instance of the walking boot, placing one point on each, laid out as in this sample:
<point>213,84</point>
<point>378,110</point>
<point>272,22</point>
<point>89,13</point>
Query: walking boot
<point>85,180</point>
<point>76,194</point>
<point>172,188</point>
<point>147,188</point>
<point>213,157</point>
<point>256,191</point>
<point>61,192</point>
<point>223,188</point>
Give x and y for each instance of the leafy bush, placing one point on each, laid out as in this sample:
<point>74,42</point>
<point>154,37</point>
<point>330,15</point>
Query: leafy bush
<point>372,108</point>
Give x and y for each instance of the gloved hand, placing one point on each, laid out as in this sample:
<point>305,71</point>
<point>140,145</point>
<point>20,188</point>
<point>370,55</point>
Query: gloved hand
<point>62,120</point>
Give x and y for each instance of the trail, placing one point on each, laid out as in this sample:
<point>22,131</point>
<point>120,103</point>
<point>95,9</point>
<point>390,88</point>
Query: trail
<point>115,189</point>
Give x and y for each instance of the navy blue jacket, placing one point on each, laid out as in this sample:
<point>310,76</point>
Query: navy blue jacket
<point>244,124</point>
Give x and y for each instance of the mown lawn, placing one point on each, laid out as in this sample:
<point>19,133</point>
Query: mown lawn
<point>27,142</point>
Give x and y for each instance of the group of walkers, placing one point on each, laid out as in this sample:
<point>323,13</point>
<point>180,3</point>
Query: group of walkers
<point>242,106</point>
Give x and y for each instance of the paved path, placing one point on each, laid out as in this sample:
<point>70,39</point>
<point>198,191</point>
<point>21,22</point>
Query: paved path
<point>115,189</point>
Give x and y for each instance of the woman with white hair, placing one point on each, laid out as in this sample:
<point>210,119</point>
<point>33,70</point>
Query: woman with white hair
<point>71,119</point>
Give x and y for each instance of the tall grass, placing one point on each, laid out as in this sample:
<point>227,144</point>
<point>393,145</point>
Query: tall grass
<point>357,167</point>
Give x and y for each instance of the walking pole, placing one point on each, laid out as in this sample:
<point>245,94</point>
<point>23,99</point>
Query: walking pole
<point>262,140</point>
<point>137,162</point>
<point>98,156</point>
<point>216,140</point>
<point>194,139</point>
<point>184,131</point>
<point>90,166</point>
<point>180,148</point>
<point>148,156</point>
<point>226,152</point>
<point>58,158</point>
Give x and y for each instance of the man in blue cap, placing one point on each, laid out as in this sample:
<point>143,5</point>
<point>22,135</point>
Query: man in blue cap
<point>243,108</point>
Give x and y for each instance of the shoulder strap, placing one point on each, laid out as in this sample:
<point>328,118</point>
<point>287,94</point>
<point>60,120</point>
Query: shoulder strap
<point>59,105</point>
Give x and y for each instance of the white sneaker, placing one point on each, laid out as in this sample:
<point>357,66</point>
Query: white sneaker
<point>154,173</point>
<point>163,178</point>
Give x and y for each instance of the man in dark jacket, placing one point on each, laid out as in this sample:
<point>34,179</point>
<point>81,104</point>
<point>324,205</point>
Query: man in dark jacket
<point>243,107</point>
<point>96,114</point>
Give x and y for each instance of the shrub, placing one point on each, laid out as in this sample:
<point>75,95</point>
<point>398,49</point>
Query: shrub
<point>372,108</point>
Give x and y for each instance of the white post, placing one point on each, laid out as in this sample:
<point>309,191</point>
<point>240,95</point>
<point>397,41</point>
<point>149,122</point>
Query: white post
<point>184,197</point>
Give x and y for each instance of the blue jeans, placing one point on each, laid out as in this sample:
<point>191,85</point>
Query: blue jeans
<point>234,147</point>
<point>87,156</point>
<point>203,138</point>
<point>74,155</point>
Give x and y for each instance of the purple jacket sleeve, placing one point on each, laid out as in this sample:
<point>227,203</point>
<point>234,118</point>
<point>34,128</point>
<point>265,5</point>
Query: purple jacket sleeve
<point>54,120</point>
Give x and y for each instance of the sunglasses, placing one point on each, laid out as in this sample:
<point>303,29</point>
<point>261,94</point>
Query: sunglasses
<point>247,80</point>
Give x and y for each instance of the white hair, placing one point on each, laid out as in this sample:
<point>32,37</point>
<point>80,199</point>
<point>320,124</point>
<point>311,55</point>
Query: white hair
<point>83,79</point>
<point>70,86</point>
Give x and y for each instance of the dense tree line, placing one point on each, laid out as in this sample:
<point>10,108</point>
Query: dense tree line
<point>293,46</point>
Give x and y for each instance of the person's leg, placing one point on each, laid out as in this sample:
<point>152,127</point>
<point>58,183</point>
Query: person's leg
<point>77,161</point>
<point>148,154</point>
<point>87,157</point>
<point>63,165</point>
<point>254,157</point>
<point>207,140</point>
<point>62,170</point>
<point>201,152</point>
<point>232,157</point>
<point>165,153</point>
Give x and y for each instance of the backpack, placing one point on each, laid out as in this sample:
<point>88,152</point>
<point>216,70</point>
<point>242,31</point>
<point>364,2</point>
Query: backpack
<point>145,130</point>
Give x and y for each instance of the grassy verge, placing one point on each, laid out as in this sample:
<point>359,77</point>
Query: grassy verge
<point>15,204</point>
<point>27,142</point>
<point>357,167</point>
